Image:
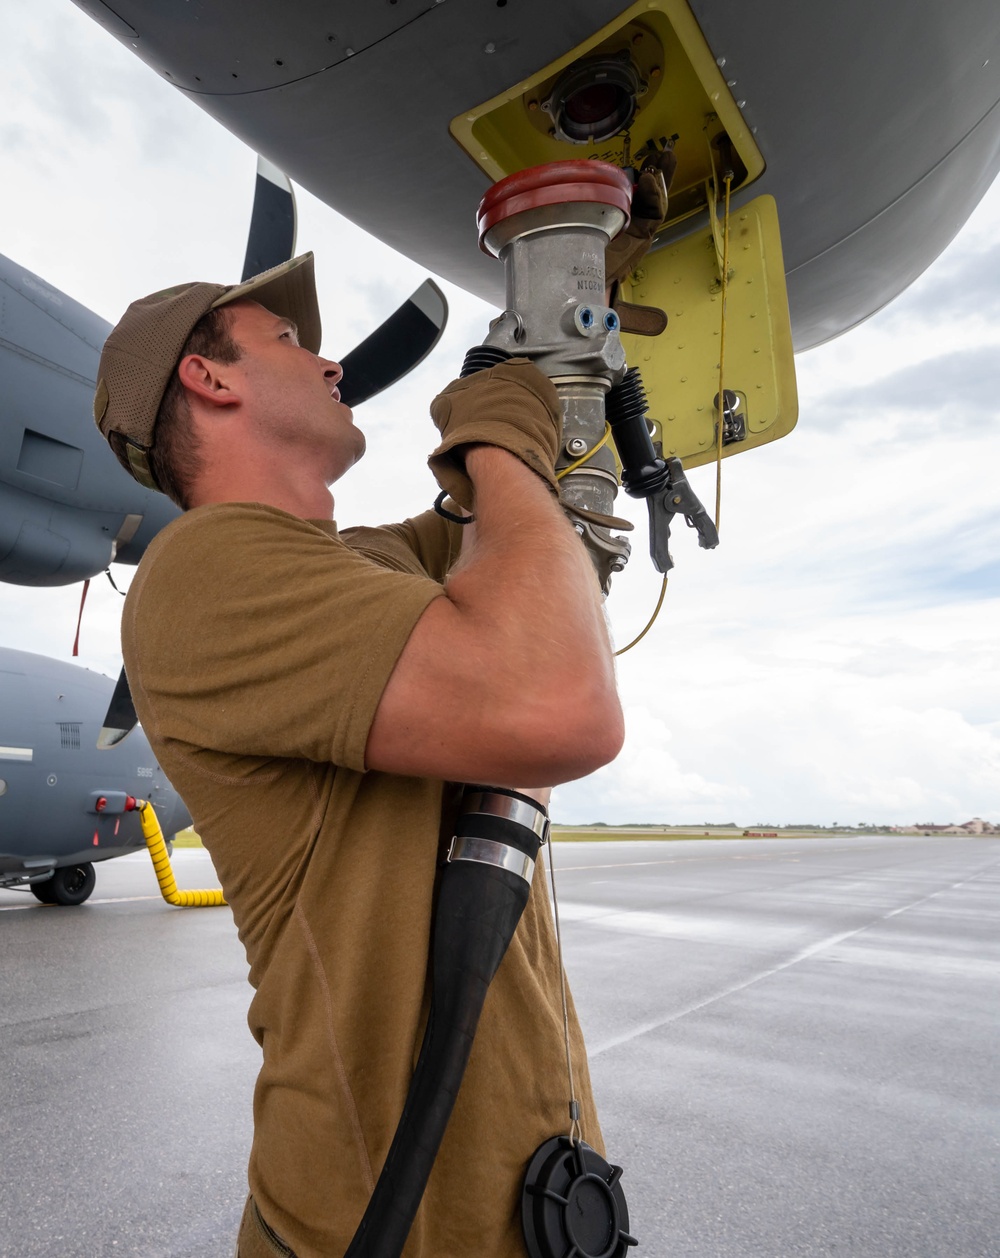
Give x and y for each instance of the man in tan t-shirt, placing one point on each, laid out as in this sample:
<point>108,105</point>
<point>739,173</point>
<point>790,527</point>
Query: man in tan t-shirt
<point>317,697</point>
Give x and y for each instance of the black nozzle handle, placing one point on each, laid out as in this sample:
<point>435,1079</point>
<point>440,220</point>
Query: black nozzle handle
<point>643,472</point>
<point>483,890</point>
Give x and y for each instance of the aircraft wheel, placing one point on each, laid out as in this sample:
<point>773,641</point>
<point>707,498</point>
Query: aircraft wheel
<point>72,884</point>
<point>44,892</point>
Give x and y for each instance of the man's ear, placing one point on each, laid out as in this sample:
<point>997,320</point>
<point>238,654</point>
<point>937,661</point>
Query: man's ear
<point>207,380</point>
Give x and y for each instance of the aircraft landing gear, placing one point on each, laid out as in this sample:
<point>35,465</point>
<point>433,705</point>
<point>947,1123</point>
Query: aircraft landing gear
<point>70,885</point>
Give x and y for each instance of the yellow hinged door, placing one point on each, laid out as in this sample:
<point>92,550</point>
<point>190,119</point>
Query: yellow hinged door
<point>680,367</point>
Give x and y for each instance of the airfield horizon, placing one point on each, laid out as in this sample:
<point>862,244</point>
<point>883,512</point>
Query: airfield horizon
<point>628,832</point>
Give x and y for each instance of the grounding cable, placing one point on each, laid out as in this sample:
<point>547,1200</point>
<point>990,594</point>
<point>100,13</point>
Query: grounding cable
<point>574,1104</point>
<point>722,353</point>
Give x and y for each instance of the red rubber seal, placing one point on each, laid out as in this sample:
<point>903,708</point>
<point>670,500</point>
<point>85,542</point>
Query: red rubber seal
<point>555,183</point>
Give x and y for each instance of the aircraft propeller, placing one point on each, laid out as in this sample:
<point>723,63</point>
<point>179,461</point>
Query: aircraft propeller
<point>271,239</point>
<point>386,355</point>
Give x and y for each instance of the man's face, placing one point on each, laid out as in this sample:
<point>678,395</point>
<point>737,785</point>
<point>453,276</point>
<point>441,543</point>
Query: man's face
<point>291,394</point>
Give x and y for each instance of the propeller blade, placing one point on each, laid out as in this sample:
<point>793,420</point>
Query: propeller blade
<point>396,346</point>
<point>272,222</point>
<point>121,718</point>
<point>271,241</point>
<point>392,350</point>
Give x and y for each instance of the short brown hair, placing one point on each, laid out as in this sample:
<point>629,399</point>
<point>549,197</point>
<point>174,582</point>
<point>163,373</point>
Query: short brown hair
<point>175,457</point>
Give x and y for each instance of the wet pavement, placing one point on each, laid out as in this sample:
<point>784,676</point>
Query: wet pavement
<point>794,1045</point>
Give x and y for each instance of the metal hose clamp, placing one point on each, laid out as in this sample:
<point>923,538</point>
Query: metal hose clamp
<point>506,811</point>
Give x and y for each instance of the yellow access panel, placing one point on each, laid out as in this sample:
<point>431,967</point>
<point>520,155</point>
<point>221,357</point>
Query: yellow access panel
<point>682,99</point>
<point>680,367</point>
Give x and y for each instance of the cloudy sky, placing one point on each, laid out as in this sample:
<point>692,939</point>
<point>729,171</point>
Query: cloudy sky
<point>836,659</point>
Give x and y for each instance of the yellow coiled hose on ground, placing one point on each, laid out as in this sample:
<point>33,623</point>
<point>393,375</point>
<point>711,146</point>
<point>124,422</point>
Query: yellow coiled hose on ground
<point>161,865</point>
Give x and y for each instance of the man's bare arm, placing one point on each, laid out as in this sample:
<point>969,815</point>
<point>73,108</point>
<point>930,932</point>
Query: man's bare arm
<point>509,677</point>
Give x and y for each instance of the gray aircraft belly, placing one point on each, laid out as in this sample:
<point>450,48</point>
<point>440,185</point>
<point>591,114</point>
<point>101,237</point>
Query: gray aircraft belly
<point>880,130</point>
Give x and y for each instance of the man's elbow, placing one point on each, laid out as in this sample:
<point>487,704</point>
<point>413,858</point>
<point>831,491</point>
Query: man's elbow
<point>602,735</point>
<point>572,739</point>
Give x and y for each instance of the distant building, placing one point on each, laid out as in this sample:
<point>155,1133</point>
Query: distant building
<point>976,826</point>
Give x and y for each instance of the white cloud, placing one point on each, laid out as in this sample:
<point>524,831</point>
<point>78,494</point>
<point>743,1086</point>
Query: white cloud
<point>647,782</point>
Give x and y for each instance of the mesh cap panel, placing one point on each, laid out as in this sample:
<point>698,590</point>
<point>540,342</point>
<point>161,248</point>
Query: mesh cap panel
<point>143,350</point>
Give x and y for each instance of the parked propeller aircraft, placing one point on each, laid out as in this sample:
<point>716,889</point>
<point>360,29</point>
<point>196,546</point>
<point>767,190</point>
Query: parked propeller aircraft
<point>63,802</point>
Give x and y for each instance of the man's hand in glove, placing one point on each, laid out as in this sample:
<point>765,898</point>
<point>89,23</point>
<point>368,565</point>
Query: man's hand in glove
<point>513,406</point>
<point>649,209</point>
<point>507,677</point>
<point>629,247</point>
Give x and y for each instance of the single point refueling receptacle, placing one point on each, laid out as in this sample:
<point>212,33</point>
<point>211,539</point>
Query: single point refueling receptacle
<point>550,226</point>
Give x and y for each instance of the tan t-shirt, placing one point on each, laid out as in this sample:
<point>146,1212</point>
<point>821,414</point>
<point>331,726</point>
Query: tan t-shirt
<point>257,646</point>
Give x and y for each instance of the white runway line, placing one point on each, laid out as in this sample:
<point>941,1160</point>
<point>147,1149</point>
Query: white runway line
<point>803,954</point>
<point>696,927</point>
<point>34,904</point>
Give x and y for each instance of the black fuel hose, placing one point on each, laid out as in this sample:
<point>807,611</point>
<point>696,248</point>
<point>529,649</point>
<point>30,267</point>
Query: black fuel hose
<point>482,893</point>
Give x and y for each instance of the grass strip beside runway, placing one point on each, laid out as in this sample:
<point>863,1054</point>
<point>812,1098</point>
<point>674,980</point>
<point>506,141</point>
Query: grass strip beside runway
<point>187,838</point>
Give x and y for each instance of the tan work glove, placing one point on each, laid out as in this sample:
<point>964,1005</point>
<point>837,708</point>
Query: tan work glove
<point>629,247</point>
<point>649,209</point>
<point>512,405</point>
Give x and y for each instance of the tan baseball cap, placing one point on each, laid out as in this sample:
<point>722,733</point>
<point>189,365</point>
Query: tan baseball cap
<point>140,355</point>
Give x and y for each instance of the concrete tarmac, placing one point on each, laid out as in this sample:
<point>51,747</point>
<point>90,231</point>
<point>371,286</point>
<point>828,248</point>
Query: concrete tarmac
<point>794,1046</point>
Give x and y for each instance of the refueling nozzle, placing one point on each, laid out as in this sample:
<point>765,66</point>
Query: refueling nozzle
<point>550,227</point>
